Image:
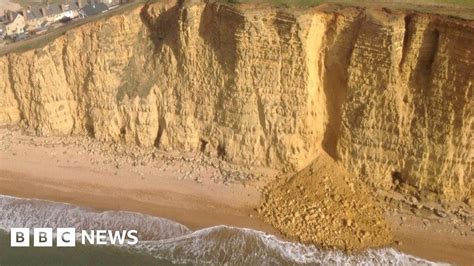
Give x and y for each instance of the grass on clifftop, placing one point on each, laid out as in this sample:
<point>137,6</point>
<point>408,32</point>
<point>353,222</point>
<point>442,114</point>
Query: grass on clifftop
<point>463,9</point>
<point>26,3</point>
<point>317,2</point>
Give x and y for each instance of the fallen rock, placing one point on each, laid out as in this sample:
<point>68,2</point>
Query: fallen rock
<point>440,213</point>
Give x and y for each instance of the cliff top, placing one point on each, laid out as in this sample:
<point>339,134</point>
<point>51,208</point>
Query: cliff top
<point>458,9</point>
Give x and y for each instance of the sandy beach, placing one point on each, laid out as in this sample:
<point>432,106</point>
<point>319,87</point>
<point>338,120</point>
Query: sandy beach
<point>70,174</point>
<point>47,168</point>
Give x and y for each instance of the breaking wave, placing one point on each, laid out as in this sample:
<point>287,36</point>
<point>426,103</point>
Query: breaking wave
<point>169,240</point>
<point>31,213</point>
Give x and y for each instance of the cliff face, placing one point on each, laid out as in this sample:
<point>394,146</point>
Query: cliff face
<point>386,94</point>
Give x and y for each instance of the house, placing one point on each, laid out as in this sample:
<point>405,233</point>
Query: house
<point>16,25</point>
<point>92,9</point>
<point>112,3</point>
<point>37,17</point>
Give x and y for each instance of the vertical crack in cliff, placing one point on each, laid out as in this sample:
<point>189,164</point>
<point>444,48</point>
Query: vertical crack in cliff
<point>86,112</point>
<point>407,39</point>
<point>15,91</point>
<point>341,37</point>
<point>433,52</point>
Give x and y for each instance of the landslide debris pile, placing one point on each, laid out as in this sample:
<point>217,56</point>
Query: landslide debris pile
<point>325,205</point>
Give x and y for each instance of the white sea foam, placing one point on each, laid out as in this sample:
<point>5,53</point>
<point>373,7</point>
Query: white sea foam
<point>166,239</point>
<point>240,246</point>
<point>31,213</point>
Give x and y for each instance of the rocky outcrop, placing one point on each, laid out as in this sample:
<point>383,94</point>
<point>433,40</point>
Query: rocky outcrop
<point>386,94</point>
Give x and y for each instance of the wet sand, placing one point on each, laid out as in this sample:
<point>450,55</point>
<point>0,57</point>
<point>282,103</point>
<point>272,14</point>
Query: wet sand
<point>70,174</point>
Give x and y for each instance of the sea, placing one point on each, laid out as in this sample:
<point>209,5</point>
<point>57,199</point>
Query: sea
<point>164,242</point>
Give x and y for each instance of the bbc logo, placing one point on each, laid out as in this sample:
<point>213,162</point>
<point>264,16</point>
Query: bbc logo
<point>42,237</point>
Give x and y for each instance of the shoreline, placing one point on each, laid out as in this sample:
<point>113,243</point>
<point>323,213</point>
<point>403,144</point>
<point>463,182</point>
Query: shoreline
<point>68,174</point>
<point>195,216</point>
<point>64,173</point>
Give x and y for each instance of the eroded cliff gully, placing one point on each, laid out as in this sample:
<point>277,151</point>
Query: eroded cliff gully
<point>387,94</point>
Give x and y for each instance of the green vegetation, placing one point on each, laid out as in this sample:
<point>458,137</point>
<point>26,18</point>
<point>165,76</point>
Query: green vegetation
<point>317,2</point>
<point>456,2</point>
<point>279,2</point>
<point>26,3</point>
<point>463,9</point>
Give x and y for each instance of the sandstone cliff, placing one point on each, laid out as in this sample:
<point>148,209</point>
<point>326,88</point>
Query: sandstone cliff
<point>387,94</point>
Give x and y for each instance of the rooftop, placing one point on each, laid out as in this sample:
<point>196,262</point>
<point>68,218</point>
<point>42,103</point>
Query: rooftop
<point>94,9</point>
<point>49,10</point>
